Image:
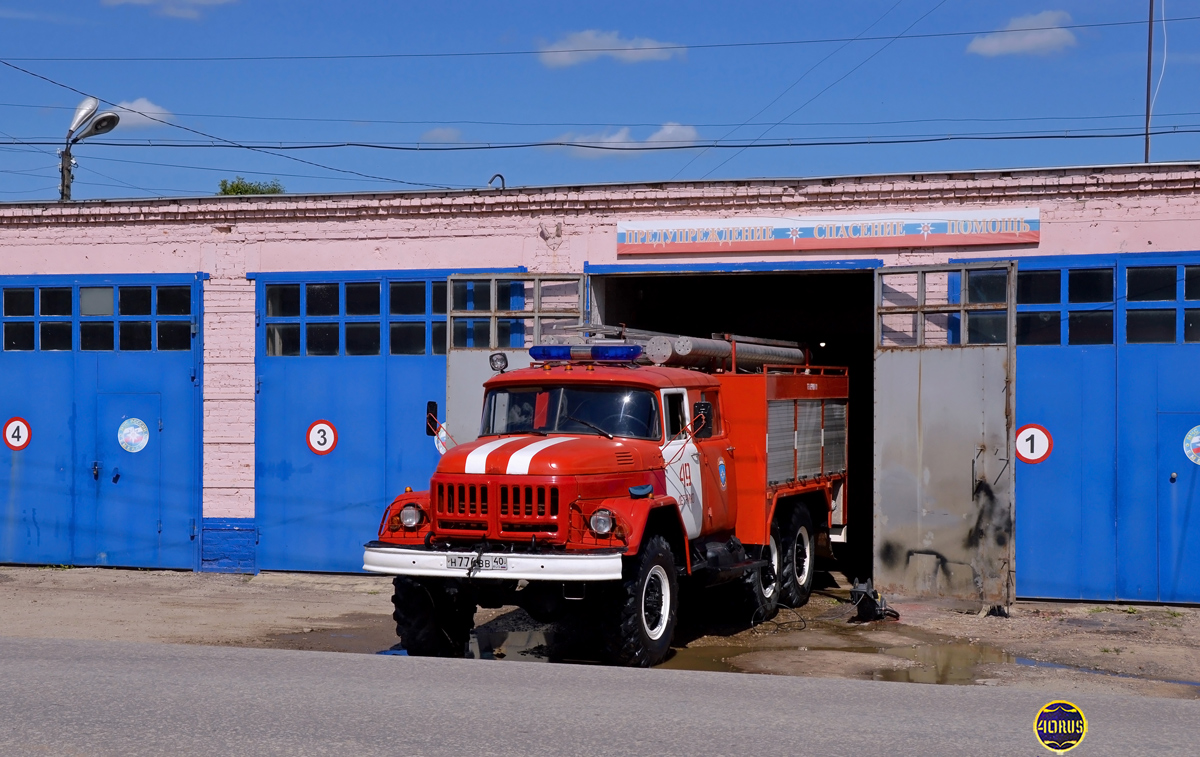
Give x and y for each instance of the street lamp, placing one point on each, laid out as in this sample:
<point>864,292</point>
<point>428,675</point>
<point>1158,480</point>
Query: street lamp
<point>92,125</point>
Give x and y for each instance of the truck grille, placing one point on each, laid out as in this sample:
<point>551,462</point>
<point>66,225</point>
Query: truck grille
<point>512,508</point>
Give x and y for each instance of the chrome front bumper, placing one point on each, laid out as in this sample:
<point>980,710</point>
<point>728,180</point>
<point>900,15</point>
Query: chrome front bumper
<point>406,561</point>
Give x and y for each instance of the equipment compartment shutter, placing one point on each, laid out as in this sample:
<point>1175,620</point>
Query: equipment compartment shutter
<point>781,424</point>
<point>808,438</point>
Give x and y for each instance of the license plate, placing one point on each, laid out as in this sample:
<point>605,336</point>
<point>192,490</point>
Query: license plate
<point>477,562</point>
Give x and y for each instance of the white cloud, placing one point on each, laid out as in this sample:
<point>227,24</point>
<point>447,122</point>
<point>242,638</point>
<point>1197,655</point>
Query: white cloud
<point>670,133</point>
<point>15,15</point>
<point>173,8</point>
<point>589,45</point>
<point>673,133</point>
<point>134,114</point>
<point>1041,38</point>
<point>442,134</point>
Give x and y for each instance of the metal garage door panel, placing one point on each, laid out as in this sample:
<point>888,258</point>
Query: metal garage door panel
<point>314,511</point>
<point>943,479</point>
<point>36,485</point>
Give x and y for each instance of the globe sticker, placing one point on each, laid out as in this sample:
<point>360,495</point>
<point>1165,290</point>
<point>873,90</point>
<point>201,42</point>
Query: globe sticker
<point>133,435</point>
<point>1060,726</point>
<point>1191,445</point>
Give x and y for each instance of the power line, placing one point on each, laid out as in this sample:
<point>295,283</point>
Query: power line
<point>544,51</point>
<point>657,146</point>
<point>231,143</point>
<point>461,122</point>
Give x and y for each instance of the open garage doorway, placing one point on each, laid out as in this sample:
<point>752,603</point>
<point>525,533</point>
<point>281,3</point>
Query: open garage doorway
<point>830,312</point>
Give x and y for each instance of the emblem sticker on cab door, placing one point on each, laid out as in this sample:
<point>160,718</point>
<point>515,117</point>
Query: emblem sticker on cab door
<point>721,470</point>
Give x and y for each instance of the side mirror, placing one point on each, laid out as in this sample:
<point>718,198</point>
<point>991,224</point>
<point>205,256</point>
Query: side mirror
<point>702,413</point>
<point>431,419</point>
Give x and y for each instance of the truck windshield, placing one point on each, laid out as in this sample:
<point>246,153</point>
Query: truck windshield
<point>615,411</point>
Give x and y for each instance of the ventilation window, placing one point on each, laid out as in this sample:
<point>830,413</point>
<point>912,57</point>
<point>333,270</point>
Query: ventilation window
<point>1090,327</point>
<point>1039,328</point>
<point>362,338</point>
<point>1150,284</point>
<point>55,301</point>
<point>56,336</point>
<point>1039,287</point>
<point>283,339</point>
<point>96,301</point>
<point>408,298</point>
<point>408,338</point>
<point>177,335</point>
<point>18,336</point>
<point>136,336</point>
<point>322,299</point>
<point>322,339</point>
<point>96,336</point>
<point>1090,286</point>
<point>1150,326</point>
<point>362,299</point>
<point>283,300</point>
<point>178,301</point>
<point>133,300</point>
<point>18,302</point>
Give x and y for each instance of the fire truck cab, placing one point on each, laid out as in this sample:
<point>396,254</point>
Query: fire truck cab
<point>598,483</point>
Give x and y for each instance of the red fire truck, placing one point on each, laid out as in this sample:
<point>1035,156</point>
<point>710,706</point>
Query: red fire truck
<point>599,483</point>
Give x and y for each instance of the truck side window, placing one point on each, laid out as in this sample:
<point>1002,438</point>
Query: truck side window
<point>714,398</point>
<point>676,419</point>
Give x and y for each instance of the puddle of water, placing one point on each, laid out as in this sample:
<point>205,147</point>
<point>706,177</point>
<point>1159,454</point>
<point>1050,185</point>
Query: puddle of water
<point>951,664</point>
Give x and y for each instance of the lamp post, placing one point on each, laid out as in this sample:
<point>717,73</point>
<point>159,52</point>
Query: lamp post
<point>91,125</point>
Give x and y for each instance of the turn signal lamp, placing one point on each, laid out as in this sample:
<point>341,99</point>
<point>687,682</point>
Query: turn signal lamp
<point>609,352</point>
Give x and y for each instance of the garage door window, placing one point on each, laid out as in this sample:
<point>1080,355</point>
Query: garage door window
<point>138,318</point>
<point>354,318</point>
<point>943,308</point>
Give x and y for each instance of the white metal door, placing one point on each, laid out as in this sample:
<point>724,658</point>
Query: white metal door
<point>684,481</point>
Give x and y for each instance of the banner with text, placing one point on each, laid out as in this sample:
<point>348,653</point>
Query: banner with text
<point>685,236</point>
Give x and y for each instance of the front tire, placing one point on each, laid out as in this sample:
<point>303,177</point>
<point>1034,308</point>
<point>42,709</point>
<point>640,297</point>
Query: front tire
<point>433,618</point>
<point>799,558</point>
<point>647,607</point>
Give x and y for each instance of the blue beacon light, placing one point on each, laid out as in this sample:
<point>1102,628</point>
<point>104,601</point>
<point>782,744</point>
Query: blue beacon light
<point>605,352</point>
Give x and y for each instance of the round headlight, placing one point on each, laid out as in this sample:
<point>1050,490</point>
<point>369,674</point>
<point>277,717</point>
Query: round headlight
<point>410,516</point>
<point>601,522</point>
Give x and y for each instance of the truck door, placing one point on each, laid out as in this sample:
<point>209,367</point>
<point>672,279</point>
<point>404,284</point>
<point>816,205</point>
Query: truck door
<point>944,480</point>
<point>717,471</point>
<point>502,312</point>
<point>684,481</point>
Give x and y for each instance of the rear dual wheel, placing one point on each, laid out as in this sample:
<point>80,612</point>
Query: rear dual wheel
<point>798,558</point>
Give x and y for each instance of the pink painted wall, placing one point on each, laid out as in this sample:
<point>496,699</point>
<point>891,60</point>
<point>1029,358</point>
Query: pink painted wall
<point>1096,210</point>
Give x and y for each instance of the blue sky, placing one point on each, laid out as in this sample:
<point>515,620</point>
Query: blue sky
<point>1051,79</point>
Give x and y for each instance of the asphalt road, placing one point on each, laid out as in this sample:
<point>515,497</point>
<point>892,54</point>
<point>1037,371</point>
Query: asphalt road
<point>116,698</point>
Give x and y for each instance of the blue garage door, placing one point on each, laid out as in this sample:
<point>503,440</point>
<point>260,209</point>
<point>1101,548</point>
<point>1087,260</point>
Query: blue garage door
<point>1107,350</point>
<point>100,377</point>
<point>346,364</point>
